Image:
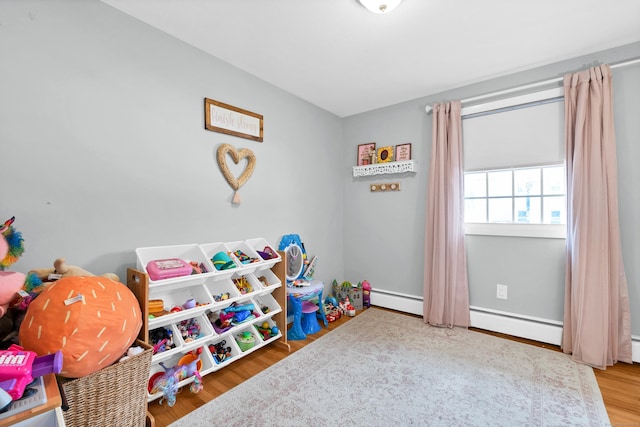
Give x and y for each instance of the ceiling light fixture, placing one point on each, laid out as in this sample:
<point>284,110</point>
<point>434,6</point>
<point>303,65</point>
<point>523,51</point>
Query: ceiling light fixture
<point>380,6</point>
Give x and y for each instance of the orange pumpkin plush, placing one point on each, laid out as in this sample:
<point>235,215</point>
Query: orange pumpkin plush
<point>92,320</point>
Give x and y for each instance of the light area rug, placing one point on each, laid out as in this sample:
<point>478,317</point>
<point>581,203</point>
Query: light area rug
<point>387,369</point>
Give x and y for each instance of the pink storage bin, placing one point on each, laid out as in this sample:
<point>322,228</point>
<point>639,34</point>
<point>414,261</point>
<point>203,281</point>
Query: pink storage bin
<point>168,268</point>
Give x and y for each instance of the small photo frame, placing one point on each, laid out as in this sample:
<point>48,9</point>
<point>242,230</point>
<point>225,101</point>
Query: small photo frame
<point>365,153</point>
<point>385,154</point>
<point>403,152</point>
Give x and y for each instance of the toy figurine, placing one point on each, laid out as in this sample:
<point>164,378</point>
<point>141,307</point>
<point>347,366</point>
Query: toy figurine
<point>366,294</point>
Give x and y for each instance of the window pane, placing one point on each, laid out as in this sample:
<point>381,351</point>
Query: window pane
<point>500,184</point>
<point>554,180</point>
<point>475,210</point>
<point>500,210</point>
<point>526,182</point>
<point>555,211</point>
<point>527,210</point>
<point>475,184</point>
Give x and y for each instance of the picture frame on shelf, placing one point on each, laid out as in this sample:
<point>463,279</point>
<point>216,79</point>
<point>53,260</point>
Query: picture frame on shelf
<point>385,154</point>
<point>403,152</point>
<point>364,153</point>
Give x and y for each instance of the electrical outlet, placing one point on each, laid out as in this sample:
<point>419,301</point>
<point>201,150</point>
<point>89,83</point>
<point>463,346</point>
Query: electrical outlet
<point>501,291</point>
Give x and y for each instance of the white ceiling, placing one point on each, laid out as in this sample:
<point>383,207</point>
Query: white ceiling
<point>337,55</point>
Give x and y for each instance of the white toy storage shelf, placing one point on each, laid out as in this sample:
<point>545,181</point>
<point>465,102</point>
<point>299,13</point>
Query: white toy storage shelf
<point>213,291</point>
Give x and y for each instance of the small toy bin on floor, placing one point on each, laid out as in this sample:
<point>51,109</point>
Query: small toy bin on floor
<point>113,396</point>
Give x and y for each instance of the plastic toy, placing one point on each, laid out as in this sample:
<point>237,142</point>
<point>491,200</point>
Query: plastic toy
<point>366,294</point>
<point>245,340</point>
<point>189,329</point>
<point>222,296</point>
<point>267,331</point>
<point>311,268</point>
<point>219,352</point>
<point>243,285</point>
<point>11,248</point>
<point>161,339</point>
<point>267,253</point>
<point>244,258</point>
<point>18,368</point>
<point>222,261</point>
<point>168,268</point>
<point>347,308</point>
<point>167,383</point>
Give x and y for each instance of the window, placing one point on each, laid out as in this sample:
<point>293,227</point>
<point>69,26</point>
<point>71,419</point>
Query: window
<point>531,195</point>
<point>514,179</point>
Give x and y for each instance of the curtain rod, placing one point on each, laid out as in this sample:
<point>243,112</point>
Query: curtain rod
<point>428,108</point>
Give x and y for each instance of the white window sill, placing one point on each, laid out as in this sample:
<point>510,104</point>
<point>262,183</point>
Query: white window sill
<point>542,231</point>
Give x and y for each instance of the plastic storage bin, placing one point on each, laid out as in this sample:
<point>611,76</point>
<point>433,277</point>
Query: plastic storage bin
<point>259,245</point>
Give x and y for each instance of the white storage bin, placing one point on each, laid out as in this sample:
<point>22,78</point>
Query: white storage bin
<point>193,330</point>
<point>223,292</point>
<point>266,334</point>
<point>211,249</point>
<point>258,245</point>
<point>246,344</point>
<point>226,319</point>
<point>157,370</point>
<point>247,284</point>
<point>179,297</point>
<point>229,351</point>
<point>249,267</point>
<point>187,253</point>
<point>173,345</point>
<point>267,304</point>
<point>268,281</point>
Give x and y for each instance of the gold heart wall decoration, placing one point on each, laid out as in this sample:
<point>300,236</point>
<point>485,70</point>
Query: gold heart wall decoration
<point>236,156</point>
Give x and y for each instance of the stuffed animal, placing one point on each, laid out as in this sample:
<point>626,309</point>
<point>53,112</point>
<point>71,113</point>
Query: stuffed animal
<point>93,320</point>
<point>61,269</point>
<point>11,248</point>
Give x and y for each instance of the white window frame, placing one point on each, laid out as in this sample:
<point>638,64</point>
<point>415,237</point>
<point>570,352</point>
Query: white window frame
<point>550,231</point>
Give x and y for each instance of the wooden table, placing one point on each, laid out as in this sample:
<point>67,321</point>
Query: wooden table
<point>47,412</point>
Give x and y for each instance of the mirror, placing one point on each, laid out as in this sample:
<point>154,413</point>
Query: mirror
<point>295,261</point>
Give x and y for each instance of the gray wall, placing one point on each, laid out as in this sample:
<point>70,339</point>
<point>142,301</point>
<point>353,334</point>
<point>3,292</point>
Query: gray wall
<point>103,147</point>
<point>384,232</point>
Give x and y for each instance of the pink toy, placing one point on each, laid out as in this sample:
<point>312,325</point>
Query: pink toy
<point>19,367</point>
<point>167,383</point>
<point>366,294</point>
<point>168,268</point>
<point>11,247</point>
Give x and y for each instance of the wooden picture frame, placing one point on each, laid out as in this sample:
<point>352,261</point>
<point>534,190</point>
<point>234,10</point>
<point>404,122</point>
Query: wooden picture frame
<point>385,154</point>
<point>225,118</point>
<point>364,153</point>
<point>403,152</point>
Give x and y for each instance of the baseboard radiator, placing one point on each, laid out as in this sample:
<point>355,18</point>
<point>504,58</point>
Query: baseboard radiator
<point>518,325</point>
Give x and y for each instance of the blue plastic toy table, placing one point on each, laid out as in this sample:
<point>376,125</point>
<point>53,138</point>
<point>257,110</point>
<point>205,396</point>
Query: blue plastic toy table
<point>296,295</point>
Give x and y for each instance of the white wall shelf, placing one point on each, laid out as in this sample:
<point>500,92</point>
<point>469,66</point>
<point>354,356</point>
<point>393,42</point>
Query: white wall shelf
<point>384,168</point>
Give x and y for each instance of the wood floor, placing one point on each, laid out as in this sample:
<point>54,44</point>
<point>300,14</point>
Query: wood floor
<point>620,384</point>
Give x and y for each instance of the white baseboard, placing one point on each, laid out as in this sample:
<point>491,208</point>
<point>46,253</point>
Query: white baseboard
<point>517,325</point>
<point>541,330</point>
<point>396,301</point>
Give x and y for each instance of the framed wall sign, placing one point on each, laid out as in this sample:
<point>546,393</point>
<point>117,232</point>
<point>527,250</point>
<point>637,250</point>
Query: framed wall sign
<point>403,152</point>
<point>364,153</point>
<point>385,154</point>
<point>225,118</point>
